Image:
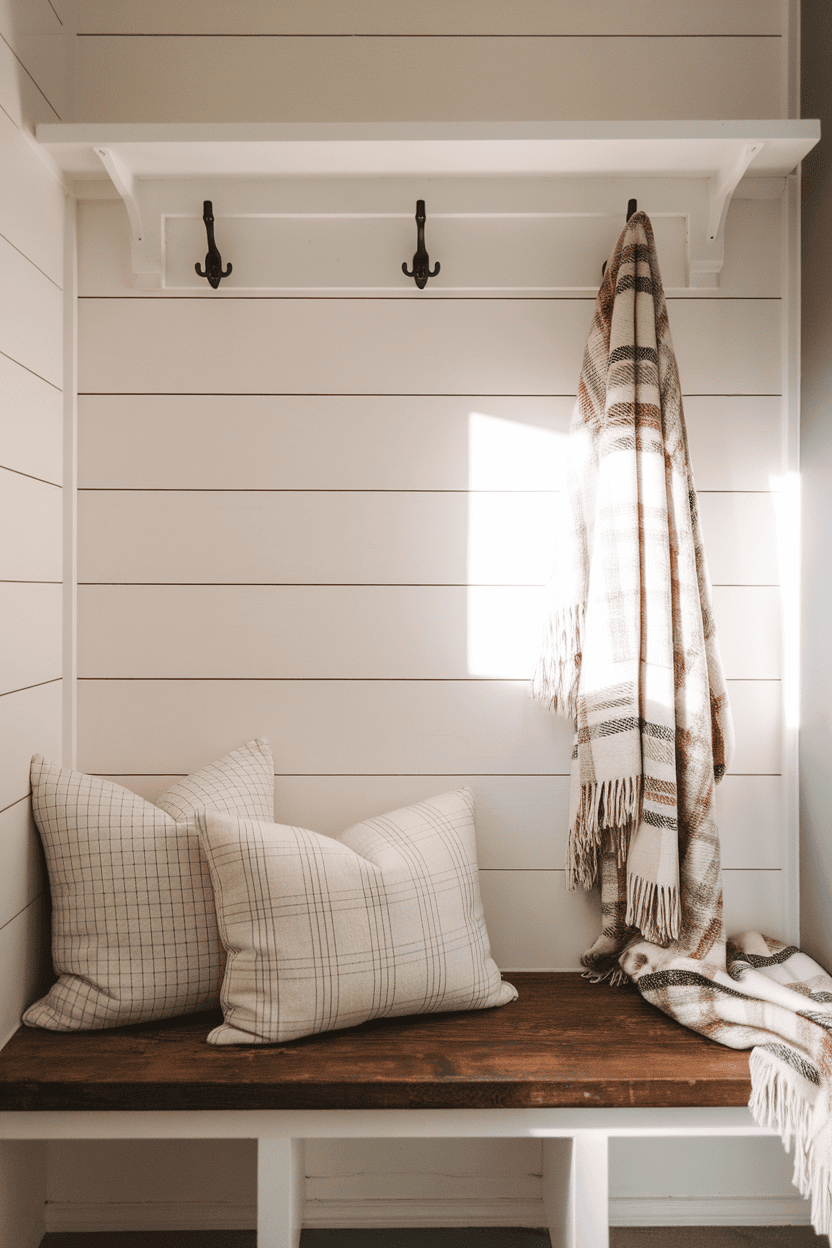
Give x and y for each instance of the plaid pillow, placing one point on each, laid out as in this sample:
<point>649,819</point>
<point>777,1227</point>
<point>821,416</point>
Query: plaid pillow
<point>324,933</point>
<point>134,933</point>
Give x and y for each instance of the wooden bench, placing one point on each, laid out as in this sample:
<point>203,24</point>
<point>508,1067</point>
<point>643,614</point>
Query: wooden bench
<point>569,1062</point>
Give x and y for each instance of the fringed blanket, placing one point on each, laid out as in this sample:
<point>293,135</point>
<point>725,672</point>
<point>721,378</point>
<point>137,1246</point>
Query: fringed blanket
<point>630,651</point>
<point>630,654</point>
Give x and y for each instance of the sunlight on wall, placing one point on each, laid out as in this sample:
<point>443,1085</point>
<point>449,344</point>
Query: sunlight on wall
<point>786,497</point>
<point>516,472</point>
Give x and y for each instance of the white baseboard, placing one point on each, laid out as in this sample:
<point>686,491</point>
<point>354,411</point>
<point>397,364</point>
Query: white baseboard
<point>344,1214</point>
<point>151,1215</point>
<point>709,1211</point>
<point>335,1214</point>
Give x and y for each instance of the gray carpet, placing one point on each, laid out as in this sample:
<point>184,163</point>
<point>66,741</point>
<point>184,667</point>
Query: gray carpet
<point>454,1237</point>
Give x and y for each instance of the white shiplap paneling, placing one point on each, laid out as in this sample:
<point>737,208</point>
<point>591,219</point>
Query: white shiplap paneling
<point>34,32</point>
<point>32,218</point>
<point>31,315</point>
<point>367,442</point>
<point>31,431</point>
<point>371,631</point>
<point>361,727</point>
<point>30,723</point>
<point>521,820</point>
<point>24,957</point>
<point>349,17</point>
<point>324,442</point>
<point>32,634</point>
<point>357,346</point>
<point>376,538</point>
<point>381,78</point>
<point>21,99</point>
<point>23,877</point>
<point>33,87</point>
<point>30,519</point>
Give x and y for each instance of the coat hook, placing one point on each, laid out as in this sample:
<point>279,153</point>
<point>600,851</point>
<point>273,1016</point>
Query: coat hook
<point>421,270</point>
<point>213,260</point>
<point>632,207</point>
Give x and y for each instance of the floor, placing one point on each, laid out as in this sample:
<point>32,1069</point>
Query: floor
<point>454,1237</point>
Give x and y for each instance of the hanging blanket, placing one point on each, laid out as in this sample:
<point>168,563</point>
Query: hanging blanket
<point>630,654</point>
<point>630,651</point>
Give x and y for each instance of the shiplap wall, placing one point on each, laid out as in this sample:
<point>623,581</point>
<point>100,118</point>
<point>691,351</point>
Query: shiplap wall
<point>328,520</point>
<point>302,516</point>
<point>34,87</point>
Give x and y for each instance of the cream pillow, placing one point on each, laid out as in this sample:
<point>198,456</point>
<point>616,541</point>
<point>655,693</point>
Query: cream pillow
<point>324,933</point>
<point>134,933</point>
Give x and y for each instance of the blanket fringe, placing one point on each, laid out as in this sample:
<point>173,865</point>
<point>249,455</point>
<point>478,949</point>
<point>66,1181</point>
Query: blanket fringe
<point>654,909</point>
<point>617,977</point>
<point>554,680</point>
<point>776,1102</point>
<point>607,815</point>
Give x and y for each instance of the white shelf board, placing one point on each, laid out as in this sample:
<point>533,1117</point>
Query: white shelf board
<point>655,149</point>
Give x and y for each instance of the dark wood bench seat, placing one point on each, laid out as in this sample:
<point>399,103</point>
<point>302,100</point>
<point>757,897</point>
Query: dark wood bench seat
<point>563,1043</point>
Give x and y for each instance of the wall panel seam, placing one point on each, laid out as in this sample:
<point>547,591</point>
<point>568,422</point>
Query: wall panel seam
<point>30,476</point>
<point>7,693</point>
<point>166,297</point>
<point>373,394</point>
<point>43,273</point>
<point>6,355</point>
<point>104,34</point>
<point>25,798</point>
<point>28,75</point>
<point>28,906</point>
<point>411,775</point>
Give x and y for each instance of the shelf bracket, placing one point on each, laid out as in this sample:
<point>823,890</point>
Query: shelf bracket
<point>146,271</point>
<point>706,267</point>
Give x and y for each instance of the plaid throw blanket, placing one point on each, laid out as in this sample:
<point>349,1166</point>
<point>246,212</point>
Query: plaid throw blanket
<point>630,650</point>
<point>630,654</point>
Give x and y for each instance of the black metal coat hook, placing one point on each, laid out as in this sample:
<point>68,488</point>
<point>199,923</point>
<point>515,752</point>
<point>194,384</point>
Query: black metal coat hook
<point>421,270</point>
<point>632,208</point>
<point>213,260</point>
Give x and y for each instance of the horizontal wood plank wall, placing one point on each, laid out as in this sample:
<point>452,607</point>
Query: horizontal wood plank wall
<point>329,520</point>
<point>33,87</point>
<point>328,486</point>
<point>382,61</point>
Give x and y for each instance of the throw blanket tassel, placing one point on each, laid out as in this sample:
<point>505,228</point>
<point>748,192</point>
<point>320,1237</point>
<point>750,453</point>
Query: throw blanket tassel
<point>653,908</point>
<point>555,678</point>
<point>606,817</point>
<point>778,1101</point>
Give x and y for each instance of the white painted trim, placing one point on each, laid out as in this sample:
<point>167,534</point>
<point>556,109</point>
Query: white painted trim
<point>448,1211</point>
<point>792,561</point>
<point>353,1124</point>
<point>70,478</point>
<point>358,1213</point>
<point>791,68</point>
<point>151,1215</point>
<point>709,1211</point>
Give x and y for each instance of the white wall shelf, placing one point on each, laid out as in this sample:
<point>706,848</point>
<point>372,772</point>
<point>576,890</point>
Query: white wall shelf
<point>164,170</point>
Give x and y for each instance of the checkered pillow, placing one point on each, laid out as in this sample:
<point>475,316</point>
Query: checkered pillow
<point>324,933</point>
<point>134,933</point>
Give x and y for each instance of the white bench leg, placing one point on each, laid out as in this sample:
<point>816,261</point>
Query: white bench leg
<point>280,1193</point>
<point>576,1190</point>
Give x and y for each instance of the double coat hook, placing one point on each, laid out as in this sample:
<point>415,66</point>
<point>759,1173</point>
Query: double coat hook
<point>421,270</point>
<point>632,207</point>
<point>213,260</point>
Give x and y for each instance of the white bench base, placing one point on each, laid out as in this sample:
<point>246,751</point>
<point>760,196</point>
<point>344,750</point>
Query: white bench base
<point>575,1148</point>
